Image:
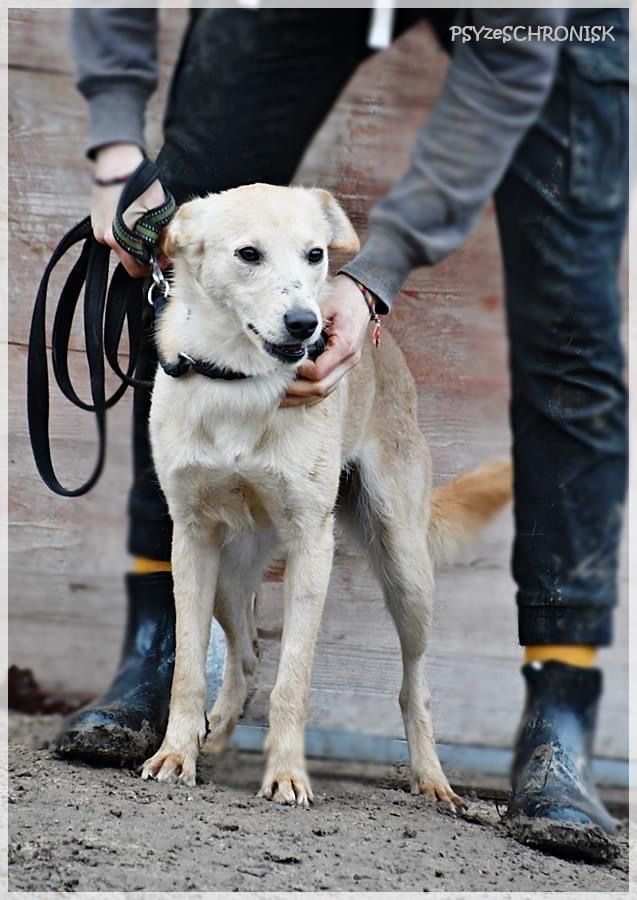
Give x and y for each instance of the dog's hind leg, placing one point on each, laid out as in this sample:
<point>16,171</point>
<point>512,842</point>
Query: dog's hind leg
<point>242,563</point>
<point>389,503</point>
<point>239,669</point>
<point>195,564</point>
<point>407,576</point>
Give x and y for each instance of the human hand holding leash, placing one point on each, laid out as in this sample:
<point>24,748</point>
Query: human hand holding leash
<point>346,317</point>
<point>113,164</point>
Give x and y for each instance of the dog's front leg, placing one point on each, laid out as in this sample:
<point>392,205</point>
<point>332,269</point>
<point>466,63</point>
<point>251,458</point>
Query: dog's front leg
<point>305,586</point>
<point>195,565</point>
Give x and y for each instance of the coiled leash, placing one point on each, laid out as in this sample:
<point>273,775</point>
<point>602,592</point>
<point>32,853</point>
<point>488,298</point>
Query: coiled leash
<point>107,308</point>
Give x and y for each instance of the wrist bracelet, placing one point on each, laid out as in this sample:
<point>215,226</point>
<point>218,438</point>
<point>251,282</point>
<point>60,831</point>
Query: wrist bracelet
<point>373,315</point>
<point>111,182</point>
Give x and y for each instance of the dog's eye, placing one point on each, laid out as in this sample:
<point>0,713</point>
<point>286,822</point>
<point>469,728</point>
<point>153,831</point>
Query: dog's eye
<point>315,255</point>
<point>249,254</point>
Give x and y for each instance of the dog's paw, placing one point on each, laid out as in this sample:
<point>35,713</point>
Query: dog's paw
<point>220,733</point>
<point>171,766</point>
<point>291,787</point>
<point>436,788</point>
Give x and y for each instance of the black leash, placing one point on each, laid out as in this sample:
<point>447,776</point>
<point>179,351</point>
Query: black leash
<point>107,309</point>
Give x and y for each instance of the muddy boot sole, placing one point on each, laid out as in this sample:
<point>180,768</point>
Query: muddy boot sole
<point>584,842</point>
<point>108,745</point>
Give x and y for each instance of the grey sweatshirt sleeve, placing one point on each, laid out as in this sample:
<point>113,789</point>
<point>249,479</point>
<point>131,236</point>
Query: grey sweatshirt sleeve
<point>493,93</point>
<point>115,53</point>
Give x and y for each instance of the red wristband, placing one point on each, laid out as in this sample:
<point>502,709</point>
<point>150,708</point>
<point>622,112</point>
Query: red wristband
<point>111,182</point>
<point>373,315</point>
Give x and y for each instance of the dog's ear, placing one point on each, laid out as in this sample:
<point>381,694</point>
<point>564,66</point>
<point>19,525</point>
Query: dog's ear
<point>342,234</point>
<point>172,237</point>
<point>180,237</point>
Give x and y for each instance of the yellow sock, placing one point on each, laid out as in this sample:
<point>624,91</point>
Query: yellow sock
<point>572,654</point>
<point>142,565</point>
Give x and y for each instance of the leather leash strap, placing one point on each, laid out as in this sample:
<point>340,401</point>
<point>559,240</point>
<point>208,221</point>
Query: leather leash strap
<point>107,308</point>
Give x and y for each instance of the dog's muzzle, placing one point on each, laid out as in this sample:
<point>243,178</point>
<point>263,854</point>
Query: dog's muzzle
<point>290,352</point>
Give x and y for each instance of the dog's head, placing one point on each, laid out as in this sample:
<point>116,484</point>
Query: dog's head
<point>260,254</point>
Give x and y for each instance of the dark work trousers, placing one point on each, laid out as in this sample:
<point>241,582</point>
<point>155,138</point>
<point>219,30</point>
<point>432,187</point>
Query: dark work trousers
<point>250,91</point>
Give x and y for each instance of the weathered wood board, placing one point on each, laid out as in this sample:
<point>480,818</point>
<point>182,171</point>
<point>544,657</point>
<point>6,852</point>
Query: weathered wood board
<point>67,557</point>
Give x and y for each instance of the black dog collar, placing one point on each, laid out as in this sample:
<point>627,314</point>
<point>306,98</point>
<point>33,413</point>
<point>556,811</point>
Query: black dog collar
<point>186,364</point>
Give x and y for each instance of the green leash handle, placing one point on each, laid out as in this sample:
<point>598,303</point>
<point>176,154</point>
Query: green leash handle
<point>140,240</point>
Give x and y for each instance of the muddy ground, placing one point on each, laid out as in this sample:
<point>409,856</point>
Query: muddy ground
<point>75,828</point>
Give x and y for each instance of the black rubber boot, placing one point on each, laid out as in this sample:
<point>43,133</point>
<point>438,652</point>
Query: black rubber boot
<point>126,725</point>
<point>554,805</point>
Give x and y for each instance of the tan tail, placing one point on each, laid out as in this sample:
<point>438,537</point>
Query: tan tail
<point>462,507</point>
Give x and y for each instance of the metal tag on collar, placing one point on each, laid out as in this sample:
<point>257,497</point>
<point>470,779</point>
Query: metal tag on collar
<point>159,281</point>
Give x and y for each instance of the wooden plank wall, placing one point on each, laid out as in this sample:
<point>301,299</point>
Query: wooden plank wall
<point>66,557</point>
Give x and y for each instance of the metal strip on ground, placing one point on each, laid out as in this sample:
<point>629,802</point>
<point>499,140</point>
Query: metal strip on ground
<point>355,747</point>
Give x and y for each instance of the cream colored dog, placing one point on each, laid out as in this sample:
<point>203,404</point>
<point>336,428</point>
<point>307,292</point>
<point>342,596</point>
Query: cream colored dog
<point>245,478</point>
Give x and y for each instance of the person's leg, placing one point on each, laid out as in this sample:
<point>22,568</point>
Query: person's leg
<point>561,212</point>
<point>249,92</point>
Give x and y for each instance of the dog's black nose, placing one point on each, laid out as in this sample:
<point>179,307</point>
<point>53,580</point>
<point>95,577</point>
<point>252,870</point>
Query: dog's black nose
<point>300,322</point>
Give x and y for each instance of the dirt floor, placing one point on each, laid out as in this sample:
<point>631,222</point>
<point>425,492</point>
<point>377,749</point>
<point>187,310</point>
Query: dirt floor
<point>75,828</point>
